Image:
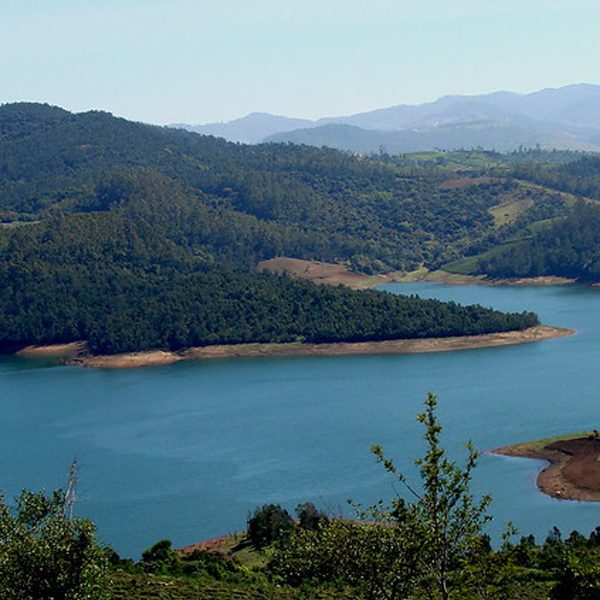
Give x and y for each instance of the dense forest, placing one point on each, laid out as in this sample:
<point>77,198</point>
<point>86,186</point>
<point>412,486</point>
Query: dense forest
<point>135,237</point>
<point>289,200</point>
<point>125,283</point>
<point>581,177</point>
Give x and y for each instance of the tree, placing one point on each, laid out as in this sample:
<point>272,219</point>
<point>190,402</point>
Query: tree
<point>310,517</point>
<point>429,541</point>
<point>369,557</point>
<point>45,554</point>
<point>269,523</point>
<point>161,558</point>
<point>443,514</point>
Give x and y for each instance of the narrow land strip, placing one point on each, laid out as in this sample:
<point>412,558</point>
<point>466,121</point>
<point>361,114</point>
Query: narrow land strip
<point>79,357</point>
<point>54,350</point>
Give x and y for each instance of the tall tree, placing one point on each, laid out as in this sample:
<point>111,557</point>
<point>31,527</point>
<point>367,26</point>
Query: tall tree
<point>48,554</point>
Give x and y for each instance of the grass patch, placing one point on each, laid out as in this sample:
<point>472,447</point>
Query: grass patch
<point>464,266</point>
<point>508,212</point>
<point>533,445</point>
<point>468,264</point>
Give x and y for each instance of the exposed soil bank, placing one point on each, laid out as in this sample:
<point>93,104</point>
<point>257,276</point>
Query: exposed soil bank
<point>57,350</point>
<point>338,274</point>
<point>159,357</point>
<point>456,279</point>
<point>573,472</point>
<point>322,272</point>
<point>216,545</point>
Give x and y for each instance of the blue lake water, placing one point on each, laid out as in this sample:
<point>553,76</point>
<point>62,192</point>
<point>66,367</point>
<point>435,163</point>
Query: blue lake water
<point>185,451</point>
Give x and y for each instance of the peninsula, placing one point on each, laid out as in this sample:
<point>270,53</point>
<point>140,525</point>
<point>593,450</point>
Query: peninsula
<point>573,470</point>
<point>78,355</point>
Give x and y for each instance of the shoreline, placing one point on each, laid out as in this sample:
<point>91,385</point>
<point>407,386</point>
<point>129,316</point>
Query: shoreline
<point>565,465</point>
<point>79,357</point>
<point>448,278</point>
<point>339,274</point>
<point>66,350</point>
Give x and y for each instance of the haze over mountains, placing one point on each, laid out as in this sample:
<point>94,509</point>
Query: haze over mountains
<point>563,118</point>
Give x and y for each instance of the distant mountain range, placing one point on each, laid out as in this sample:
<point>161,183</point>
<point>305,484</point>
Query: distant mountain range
<point>562,118</point>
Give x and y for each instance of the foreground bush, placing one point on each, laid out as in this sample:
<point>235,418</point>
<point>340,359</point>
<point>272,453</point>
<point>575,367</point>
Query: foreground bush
<point>46,554</point>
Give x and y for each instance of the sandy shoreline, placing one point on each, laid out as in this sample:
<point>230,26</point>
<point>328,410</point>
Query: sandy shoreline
<point>455,279</point>
<point>54,350</point>
<point>75,354</point>
<point>566,474</point>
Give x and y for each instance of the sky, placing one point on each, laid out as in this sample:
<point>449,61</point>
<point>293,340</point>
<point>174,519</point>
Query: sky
<point>175,61</point>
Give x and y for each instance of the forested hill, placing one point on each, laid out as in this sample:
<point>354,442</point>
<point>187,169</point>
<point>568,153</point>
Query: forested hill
<point>297,201</point>
<point>134,237</point>
<point>568,247</point>
<point>566,243</point>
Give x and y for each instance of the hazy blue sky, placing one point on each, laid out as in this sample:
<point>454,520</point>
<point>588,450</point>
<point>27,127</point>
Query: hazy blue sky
<point>200,61</point>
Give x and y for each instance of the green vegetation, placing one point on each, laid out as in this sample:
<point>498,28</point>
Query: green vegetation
<point>144,237</point>
<point>252,202</point>
<point>569,247</point>
<point>423,546</point>
<point>163,302</point>
<point>47,554</point>
<point>268,524</point>
<point>580,177</point>
<point>557,236</point>
<point>133,237</point>
<point>428,542</point>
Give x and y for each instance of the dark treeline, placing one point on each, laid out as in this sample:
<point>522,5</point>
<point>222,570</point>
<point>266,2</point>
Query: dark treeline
<point>580,177</point>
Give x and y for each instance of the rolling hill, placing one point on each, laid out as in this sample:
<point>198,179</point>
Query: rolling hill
<point>135,237</point>
<point>563,118</point>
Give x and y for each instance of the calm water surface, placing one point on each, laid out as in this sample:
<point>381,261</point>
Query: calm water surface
<point>185,451</point>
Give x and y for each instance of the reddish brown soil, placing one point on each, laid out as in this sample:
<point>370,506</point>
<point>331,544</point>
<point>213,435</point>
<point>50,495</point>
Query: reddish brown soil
<point>573,472</point>
<point>582,467</point>
<point>217,545</point>
<point>320,272</point>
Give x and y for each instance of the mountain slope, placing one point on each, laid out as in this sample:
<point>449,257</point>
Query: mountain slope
<point>567,117</point>
<point>251,129</point>
<point>502,135</point>
<point>250,202</point>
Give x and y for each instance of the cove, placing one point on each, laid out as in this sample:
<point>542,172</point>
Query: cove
<point>185,451</point>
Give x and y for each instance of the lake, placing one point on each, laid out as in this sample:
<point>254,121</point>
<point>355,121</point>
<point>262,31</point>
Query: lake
<point>185,451</point>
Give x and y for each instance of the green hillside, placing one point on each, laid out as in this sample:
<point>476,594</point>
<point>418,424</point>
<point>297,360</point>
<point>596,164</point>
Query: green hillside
<point>272,200</point>
<point>133,237</point>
